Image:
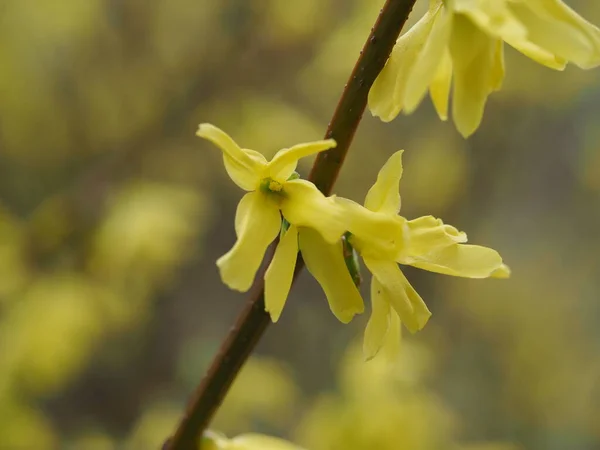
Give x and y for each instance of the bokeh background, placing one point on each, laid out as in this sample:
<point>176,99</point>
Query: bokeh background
<point>112,214</point>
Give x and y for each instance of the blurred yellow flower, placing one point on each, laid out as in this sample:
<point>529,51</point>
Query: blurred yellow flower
<point>264,391</point>
<point>385,405</point>
<point>426,243</point>
<point>463,39</point>
<point>250,441</point>
<point>271,191</point>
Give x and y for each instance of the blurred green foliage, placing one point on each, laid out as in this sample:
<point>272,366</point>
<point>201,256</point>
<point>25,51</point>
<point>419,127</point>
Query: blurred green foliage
<point>112,214</point>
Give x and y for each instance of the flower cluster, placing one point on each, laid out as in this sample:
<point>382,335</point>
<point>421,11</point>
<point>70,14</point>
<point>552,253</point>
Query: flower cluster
<point>330,232</point>
<point>461,43</point>
<point>458,45</point>
<point>456,48</point>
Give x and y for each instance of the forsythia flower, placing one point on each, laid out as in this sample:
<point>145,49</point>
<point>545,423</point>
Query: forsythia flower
<point>462,41</point>
<point>214,441</point>
<point>271,191</point>
<point>428,244</point>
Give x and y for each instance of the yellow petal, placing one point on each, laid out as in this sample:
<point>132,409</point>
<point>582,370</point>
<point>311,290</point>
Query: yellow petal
<point>240,176</point>
<point>498,19</point>
<point>304,205</point>
<point>502,272</point>
<point>279,275</point>
<point>439,89</point>
<point>326,263</point>
<point>257,224</point>
<point>244,167</point>
<point>493,17</point>
<point>538,54</point>
<point>477,71</point>
<point>384,195</point>
<point>555,27</point>
<point>404,299</point>
<point>426,234</point>
<point>463,260</point>
<point>386,97</point>
<point>373,233</point>
<point>393,338</point>
<point>429,59</point>
<point>285,160</point>
<point>377,326</point>
<point>498,70</point>
<point>212,440</point>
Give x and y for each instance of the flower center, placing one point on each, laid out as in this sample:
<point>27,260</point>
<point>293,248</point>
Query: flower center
<point>275,186</point>
<point>269,185</point>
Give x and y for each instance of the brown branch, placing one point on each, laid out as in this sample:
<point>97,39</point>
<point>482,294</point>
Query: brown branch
<point>253,320</point>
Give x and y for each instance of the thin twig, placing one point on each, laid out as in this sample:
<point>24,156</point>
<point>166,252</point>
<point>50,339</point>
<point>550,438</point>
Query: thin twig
<point>253,320</point>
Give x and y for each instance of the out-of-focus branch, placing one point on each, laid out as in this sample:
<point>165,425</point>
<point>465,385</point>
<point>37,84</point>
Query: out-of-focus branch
<point>253,320</point>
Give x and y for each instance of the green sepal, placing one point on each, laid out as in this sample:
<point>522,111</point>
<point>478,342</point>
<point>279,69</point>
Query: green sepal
<point>285,225</point>
<point>351,259</point>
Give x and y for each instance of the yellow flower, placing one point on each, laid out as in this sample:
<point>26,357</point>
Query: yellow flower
<point>251,441</point>
<point>462,40</point>
<point>427,243</point>
<point>271,194</point>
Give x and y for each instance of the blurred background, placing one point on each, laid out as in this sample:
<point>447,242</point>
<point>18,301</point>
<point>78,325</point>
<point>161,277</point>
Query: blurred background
<point>112,214</point>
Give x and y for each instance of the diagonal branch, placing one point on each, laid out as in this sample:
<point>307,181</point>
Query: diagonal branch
<point>253,320</point>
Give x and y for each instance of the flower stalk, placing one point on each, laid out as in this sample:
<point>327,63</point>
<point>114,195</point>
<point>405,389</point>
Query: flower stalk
<point>253,320</point>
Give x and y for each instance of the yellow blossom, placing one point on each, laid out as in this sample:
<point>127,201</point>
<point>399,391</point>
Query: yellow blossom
<point>427,243</point>
<point>271,194</point>
<point>461,43</point>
